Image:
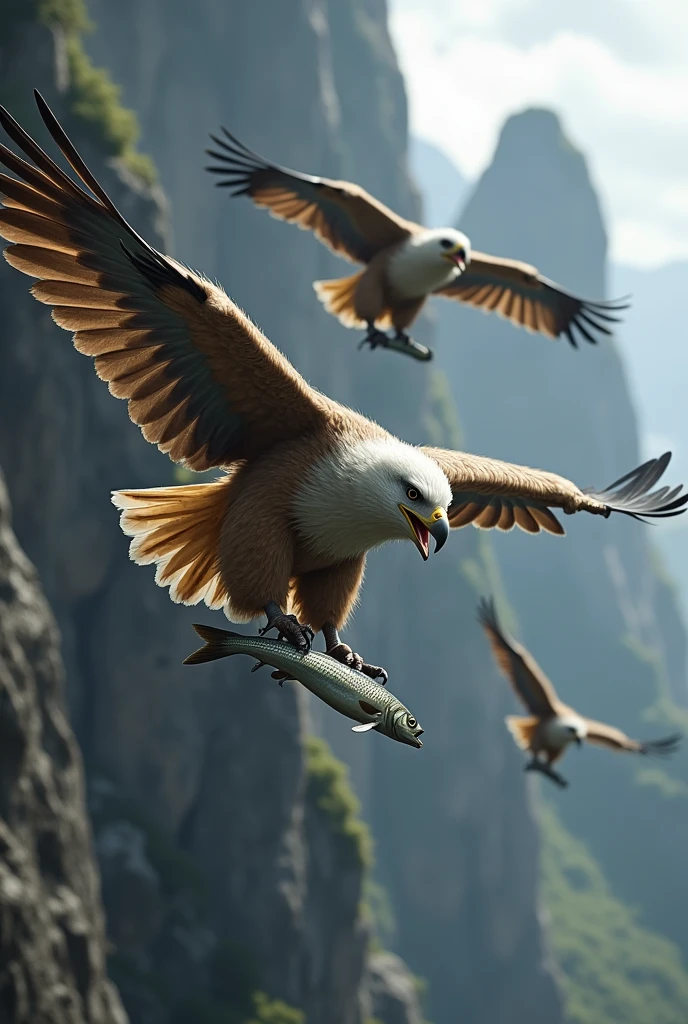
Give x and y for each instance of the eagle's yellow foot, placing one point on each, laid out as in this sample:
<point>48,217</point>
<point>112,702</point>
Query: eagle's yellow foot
<point>539,766</point>
<point>288,627</point>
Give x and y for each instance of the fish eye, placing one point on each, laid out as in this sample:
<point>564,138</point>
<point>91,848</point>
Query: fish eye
<point>446,243</point>
<point>412,494</point>
<point>411,722</point>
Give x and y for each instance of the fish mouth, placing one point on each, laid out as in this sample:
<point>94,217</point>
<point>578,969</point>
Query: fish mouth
<point>421,528</point>
<point>417,741</point>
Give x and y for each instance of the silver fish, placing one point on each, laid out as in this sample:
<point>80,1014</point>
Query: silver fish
<point>350,692</point>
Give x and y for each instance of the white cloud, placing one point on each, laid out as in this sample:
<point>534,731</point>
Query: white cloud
<point>468,67</point>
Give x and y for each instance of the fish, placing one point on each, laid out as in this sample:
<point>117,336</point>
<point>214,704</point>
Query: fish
<point>348,691</point>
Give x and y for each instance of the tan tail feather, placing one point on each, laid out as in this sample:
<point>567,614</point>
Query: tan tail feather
<point>522,729</point>
<point>178,529</point>
<point>338,297</point>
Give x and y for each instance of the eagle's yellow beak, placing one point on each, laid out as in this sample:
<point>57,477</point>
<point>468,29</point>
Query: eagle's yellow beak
<point>421,528</point>
<point>457,256</point>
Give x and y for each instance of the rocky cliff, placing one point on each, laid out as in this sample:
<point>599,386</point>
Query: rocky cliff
<point>233,860</point>
<point>52,936</point>
<point>596,609</point>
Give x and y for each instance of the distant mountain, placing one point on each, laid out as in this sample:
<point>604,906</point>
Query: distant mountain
<point>442,184</point>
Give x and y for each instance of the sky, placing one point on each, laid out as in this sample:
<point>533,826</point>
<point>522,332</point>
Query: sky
<point>616,71</point>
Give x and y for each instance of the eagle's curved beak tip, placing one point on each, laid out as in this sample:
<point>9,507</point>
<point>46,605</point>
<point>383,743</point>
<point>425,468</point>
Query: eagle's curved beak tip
<point>440,529</point>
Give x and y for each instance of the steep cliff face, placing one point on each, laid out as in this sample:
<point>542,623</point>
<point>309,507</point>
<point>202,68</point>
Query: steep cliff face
<point>594,608</point>
<point>456,843</point>
<point>52,937</point>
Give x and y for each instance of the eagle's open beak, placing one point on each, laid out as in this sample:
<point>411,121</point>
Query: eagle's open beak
<point>457,256</point>
<point>421,528</point>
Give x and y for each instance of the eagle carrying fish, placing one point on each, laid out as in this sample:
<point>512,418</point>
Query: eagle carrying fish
<point>552,726</point>
<point>405,263</point>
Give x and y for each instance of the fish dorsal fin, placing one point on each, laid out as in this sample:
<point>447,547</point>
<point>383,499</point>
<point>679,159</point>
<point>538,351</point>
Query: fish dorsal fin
<point>364,727</point>
<point>369,709</point>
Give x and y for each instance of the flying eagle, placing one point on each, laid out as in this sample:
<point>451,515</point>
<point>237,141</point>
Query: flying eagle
<point>404,262</point>
<point>551,726</point>
<point>309,486</point>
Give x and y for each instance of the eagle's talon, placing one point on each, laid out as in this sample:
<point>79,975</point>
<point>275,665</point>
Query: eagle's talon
<point>375,672</point>
<point>374,338</point>
<point>545,769</point>
<point>299,635</point>
<point>342,652</point>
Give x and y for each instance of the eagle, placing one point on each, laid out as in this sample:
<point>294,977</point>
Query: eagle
<point>404,262</point>
<point>551,725</point>
<point>308,486</point>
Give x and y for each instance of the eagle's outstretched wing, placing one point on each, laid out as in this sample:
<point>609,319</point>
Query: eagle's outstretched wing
<point>607,736</point>
<point>529,682</point>
<point>519,293</point>
<point>201,380</point>
<point>341,214</point>
<point>490,493</point>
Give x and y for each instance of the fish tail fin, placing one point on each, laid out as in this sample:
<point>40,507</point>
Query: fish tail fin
<point>215,645</point>
<point>522,729</point>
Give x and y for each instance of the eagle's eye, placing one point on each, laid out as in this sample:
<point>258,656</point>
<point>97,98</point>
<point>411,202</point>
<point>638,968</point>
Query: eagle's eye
<point>411,722</point>
<point>446,243</point>
<point>412,494</point>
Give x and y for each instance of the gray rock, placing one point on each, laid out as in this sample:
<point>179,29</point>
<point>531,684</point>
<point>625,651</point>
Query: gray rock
<point>131,887</point>
<point>392,991</point>
<point>52,967</point>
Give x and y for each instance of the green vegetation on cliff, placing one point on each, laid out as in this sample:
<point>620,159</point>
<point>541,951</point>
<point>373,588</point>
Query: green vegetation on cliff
<point>92,97</point>
<point>614,970</point>
<point>274,1011</point>
<point>330,790</point>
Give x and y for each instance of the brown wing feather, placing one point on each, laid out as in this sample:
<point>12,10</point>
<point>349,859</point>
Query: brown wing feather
<point>511,494</point>
<point>201,380</point>
<point>520,294</point>
<point>607,736</point>
<point>341,214</point>
<point>494,494</point>
<point>529,682</point>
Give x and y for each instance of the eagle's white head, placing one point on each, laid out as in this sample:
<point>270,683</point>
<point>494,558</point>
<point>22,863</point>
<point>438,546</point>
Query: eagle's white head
<point>368,492</point>
<point>430,259</point>
<point>565,729</point>
<point>444,245</point>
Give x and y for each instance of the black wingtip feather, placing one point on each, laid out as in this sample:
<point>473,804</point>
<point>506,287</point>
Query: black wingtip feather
<point>243,162</point>
<point>664,747</point>
<point>632,494</point>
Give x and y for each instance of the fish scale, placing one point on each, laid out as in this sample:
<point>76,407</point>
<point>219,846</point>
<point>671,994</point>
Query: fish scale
<point>338,685</point>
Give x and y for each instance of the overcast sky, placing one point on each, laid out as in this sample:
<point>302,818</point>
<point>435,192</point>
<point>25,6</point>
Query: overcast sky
<point>615,70</point>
